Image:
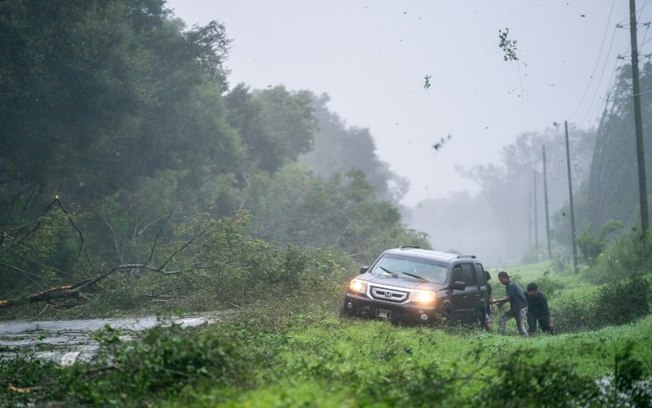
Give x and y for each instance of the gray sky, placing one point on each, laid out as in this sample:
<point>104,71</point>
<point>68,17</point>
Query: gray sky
<point>371,58</point>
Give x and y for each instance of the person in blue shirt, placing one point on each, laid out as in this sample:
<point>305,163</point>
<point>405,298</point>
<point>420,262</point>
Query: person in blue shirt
<point>537,311</point>
<point>517,305</point>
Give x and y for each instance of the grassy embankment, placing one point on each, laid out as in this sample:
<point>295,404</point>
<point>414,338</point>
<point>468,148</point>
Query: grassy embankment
<point>325,361</point>
<point>300,353</point>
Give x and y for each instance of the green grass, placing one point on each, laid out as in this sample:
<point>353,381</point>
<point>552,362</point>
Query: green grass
<point>340,362</point>
<point>297,352</point>
<point>530,271</point>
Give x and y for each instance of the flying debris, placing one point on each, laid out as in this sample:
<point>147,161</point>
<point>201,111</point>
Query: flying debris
<point>426,83</point>
<point>507,45</point>
<point>441,142</point>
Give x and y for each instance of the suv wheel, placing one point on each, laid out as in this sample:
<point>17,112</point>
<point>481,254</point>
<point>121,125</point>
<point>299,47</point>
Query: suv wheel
<point>445,318</point>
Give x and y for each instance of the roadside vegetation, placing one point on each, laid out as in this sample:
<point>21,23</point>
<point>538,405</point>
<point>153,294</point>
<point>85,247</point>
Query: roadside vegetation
<point>306,355</point>
<point>286,346</point>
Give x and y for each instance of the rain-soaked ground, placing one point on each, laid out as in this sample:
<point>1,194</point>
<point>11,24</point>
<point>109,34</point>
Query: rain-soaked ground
<point>67,341</point>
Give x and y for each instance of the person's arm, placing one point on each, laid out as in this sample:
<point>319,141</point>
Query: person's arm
<point>544,302</point>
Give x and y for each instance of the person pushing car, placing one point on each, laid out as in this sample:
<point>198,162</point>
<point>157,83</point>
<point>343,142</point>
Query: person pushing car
<point>537,311</point>
<point>517,305</point>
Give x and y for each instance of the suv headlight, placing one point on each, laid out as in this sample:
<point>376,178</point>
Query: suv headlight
<point>423,296</point>
<point>358,286</point>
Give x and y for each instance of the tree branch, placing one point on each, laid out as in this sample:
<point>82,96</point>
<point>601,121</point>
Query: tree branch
<point>74,290</point>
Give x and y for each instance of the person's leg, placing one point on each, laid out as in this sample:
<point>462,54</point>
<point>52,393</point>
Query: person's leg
<point>531,324</point>
<point>521,316</point>
<point>503,320</point>
<point>485,320</point>
<point>490,319</point>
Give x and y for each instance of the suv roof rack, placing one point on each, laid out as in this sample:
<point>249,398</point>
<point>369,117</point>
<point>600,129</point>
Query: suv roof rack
<point>409,246</point>
<point>466,256</point>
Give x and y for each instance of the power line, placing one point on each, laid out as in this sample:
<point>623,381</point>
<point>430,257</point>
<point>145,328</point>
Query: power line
<point>624,56</point>
<point>612,76</point>
<point>597,88</point>
<point>595,67</point>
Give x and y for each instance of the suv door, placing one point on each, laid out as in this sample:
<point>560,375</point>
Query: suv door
<point>465,303</point>
<point>483,285</point>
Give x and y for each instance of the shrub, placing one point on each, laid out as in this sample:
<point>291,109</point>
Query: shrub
<point>574,316</point>
<point>420,386</point>
<point>591,245</point>
<point>19,377</point>
<point>622,301</point>
<point>162,362</point>
<point>547,285</point>
<point>521,383</point>
<point>627,256</point>
<point>616,303</point>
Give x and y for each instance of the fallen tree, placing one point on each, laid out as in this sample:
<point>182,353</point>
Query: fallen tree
<point>69,291</point>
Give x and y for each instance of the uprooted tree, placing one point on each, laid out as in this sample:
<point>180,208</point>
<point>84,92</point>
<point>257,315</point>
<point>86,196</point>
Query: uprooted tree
<point>25,253</point>
<point>198,264</point>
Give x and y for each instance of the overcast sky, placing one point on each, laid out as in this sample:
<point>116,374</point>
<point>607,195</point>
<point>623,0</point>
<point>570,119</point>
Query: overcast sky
<point>372,57</point>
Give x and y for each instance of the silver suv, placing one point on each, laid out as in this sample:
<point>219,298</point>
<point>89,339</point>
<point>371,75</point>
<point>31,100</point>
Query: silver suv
<point>414,285</point>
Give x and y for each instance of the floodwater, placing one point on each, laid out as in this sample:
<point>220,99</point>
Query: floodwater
<point>68,341</point>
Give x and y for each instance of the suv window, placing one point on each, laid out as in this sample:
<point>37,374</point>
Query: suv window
<point>396,264</point>
<point>465,273</point>
<point>479,274</point>
<point>457,274</point>
<point>468,274</point>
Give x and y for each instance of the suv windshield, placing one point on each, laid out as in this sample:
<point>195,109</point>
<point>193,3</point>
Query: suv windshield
<point>419,268</point>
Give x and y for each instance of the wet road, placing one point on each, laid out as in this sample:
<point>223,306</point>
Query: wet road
<point>67,341</point>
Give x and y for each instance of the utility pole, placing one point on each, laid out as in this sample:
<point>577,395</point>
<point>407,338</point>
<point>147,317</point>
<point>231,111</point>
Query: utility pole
<point>529,220</point>
<point>536,215</point>
<point>640,156</point>
<point>529,217</point>
<point>570,197</point>
<point>545,195</point>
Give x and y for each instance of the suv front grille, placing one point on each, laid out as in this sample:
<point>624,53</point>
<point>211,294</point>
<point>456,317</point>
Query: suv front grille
<point>389,294</point>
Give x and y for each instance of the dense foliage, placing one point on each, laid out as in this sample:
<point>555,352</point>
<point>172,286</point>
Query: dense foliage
<point>303,355</point>
<point>120,132</point>
<point>619,302</point>
<point>628,255</point>
<point>591,245</point>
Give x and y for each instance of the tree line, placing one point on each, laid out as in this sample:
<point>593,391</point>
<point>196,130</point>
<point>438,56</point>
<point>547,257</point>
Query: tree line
<point>125,117</point>
<point>509,213</point>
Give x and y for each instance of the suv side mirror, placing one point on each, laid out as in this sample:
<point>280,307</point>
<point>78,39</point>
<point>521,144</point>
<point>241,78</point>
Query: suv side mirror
<point>458,285</point>
<point>364,269</point>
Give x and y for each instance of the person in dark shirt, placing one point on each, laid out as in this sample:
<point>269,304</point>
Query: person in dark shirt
<point>487,313</point>
<point>537,310</point>
<point>517,304</point>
